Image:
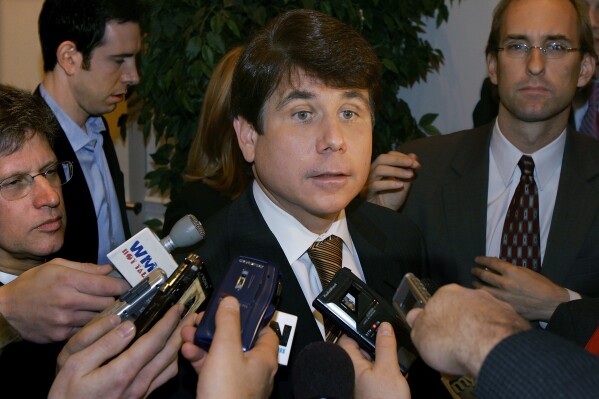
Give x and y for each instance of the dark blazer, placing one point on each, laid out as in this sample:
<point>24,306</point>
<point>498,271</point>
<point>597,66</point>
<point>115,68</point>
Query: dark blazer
<point>448,201</point>
<point>538,364</point>
<point>388,245</point>
<point>81,235</point>
<point>576,320</point>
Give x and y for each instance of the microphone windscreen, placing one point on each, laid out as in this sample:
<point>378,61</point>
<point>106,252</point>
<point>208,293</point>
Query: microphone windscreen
<point>187,231</point>
<point>323,370</point>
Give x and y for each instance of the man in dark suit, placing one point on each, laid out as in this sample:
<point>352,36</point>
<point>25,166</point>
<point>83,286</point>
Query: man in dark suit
<point>89,51</point>
<point>303,113</point>
<point>467,180</point>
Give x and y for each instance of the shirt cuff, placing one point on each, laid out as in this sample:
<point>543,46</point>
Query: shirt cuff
<point>573,295</point>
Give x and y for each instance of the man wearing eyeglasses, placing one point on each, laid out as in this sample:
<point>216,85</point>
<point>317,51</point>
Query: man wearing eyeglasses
<point>468,198</point>
<point>41,302</point>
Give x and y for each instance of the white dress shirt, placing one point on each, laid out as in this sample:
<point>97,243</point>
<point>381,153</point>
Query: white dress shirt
<point>295,239</point>
<point>504,176</point>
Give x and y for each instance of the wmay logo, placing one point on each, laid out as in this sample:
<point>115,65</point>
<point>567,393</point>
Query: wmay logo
<point>137,251</point>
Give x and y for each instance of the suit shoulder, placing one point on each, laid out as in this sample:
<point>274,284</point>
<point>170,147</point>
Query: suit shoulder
<point>444,142</point>
<point>381,216</point>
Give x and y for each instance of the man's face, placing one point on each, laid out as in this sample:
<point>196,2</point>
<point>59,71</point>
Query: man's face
<point>594,17</point>
<point>534,88</point>
<point>32,226</point>
<point>112,68</point>
<point>314,154</point>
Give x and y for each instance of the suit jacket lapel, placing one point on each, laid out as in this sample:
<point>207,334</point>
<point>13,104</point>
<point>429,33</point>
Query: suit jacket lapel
<point>575,208</point>
<point>464,197</point>
<point>370,243</point>
<point>118,179</point>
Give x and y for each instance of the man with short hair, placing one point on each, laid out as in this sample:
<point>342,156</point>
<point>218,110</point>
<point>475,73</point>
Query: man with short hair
<point>303,113</point>
<point>42,303</point>
<point>539,52</point>
<point>89,50</point>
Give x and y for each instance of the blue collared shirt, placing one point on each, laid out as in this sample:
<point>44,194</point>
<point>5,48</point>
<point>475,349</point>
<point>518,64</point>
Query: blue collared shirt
<point>87,145</point>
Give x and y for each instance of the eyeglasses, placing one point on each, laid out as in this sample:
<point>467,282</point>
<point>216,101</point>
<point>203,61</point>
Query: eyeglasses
<point>552,51</point>
<point>18,186</point>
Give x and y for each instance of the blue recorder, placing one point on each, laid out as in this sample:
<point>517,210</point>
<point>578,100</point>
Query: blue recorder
<point>255,283</point>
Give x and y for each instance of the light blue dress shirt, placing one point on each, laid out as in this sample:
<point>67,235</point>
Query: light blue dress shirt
<point>87,145</point>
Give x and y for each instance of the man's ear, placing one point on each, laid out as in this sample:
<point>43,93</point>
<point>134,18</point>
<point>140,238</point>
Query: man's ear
<point>68,58</point>
<point>587,69</point>
<point>492,67</point>
<point>247,138</point>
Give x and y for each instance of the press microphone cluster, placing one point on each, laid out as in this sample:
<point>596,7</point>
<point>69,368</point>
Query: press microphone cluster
<point>323,370</point>
<point>138,256</point>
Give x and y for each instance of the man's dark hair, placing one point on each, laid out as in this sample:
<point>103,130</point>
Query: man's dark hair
<point>23,115</point>
<point>83,22</point>
<point>317,44</point>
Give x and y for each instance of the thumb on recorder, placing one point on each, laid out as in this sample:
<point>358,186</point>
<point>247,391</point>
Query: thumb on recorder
<point>382,377</point>
<point>227,371</point>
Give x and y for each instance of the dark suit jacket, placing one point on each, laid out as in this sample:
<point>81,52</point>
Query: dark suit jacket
<point>81,235</point>
<point>538,364</point>
<point>388,245</point>
<point>448,201</point>
<point>576,320</point>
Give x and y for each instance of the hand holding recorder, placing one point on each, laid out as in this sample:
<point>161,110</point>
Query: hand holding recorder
<point>227,371</point>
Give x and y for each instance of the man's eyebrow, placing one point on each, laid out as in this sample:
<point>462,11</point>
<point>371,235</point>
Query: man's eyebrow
<point>306,95</point>
<point>21,172</point>
<point>295,95</point>
<point>356,94</point>
<point>123,55</point>
<point>545,39</point>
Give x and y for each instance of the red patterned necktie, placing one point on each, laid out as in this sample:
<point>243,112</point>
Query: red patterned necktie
<point>326,255</point>
<point>521,239</point>
<point>590,121</point>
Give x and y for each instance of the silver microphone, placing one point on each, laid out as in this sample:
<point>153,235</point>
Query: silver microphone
<point>187,231</point>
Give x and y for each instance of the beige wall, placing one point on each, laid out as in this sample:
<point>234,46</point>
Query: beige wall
<point>21,62</point>
<point>20,54</point>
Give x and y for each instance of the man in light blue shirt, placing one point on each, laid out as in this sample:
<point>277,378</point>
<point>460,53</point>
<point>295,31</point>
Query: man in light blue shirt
<point>89,51</point>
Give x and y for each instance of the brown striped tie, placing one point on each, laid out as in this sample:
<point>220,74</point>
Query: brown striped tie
<point>326,256</point>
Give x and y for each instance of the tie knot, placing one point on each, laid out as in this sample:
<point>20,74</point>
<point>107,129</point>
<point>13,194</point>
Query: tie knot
<point>330,243</point>
<point>527,165</point>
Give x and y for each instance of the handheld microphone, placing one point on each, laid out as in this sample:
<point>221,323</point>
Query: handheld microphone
<point>323,370</point>
<point>138,256</point>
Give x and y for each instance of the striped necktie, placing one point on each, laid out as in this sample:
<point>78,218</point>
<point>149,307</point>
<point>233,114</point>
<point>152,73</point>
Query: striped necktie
<point>326,256</point>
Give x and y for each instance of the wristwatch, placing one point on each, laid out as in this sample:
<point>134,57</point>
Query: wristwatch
<point>8,334</point>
